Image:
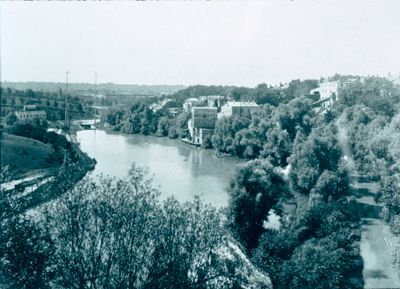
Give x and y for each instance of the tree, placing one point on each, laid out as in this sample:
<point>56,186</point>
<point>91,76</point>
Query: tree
<point>263,94</point>
<point>163,126</point>
<point>378,93</point>
<point>91,235</point>
<point>186,250</point>
<point>11,118</point>
<point>294,116</point>
<point>311,157</point>
<point>274,248</point>
<point>278,147</point>
<point>177,126</point>
<point>331,185</point>
<point>312,266</point>
<point>225,131</point>
<point>24,249</point>
<point>113,233</point>
<point>254,191</point>
<point>298,88</point>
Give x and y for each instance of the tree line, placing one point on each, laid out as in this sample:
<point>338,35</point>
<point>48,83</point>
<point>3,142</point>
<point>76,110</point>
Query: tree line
<point>371,112</point>
<point>138,118</point>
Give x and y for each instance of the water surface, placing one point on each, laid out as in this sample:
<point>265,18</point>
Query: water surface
<point>179,169</point>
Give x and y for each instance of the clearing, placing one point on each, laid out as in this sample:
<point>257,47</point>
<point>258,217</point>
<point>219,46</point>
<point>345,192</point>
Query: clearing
<point>23,155</point>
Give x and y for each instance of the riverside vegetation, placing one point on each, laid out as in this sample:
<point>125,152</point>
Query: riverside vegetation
<point>111,233</point>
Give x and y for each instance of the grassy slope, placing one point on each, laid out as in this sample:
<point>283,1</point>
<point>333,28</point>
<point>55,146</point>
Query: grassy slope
<point>24,154</point>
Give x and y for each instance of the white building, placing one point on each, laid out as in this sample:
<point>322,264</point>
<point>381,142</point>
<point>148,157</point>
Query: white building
<point>156,106</point>
<point>239,108</point>
<point>329,91</point>
<point>30,113</point>
<point>191,102</point>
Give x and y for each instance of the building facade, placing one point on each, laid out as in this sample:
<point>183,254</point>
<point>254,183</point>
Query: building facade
<point>216,101</point>
<point>329,91</point>
<point>204,117</point>
<point>30,113</point>
<point>202,124</point>
<point>239,108</point>
<point>190,103</point>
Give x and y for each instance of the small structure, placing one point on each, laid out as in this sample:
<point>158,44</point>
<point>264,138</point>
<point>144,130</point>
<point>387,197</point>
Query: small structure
<point>87,123</point>
<point>159,105</point>
<point>239,108</point>
<point>201,125</point>
<point>5,109</point>
<point>216,101</point>
<point>174,111</point>
<point>30,113</point>
<point>190,103</point>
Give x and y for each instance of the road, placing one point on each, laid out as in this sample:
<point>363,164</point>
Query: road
<point>377,242</point>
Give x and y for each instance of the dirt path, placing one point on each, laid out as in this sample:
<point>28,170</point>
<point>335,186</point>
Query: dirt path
<point>377,242</point>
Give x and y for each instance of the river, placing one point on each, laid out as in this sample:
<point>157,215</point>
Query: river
<point>178,169</point>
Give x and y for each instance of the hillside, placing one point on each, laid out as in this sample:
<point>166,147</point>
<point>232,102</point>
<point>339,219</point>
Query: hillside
<point>24,154</point>
<point>113,88</point>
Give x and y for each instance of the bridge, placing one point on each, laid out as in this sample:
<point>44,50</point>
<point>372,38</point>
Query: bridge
<point>86,123</point>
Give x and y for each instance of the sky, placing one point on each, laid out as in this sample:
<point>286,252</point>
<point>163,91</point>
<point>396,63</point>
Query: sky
<point>225,43</point>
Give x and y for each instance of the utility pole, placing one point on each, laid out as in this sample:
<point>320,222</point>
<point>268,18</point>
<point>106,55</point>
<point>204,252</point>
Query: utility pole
<point>66,100</point>
<point>94,99</point>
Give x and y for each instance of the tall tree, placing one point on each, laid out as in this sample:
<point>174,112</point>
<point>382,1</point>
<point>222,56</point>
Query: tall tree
<point>254,191</point>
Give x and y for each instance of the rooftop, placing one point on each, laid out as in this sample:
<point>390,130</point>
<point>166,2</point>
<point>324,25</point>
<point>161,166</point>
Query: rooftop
<point>241,103</point>
<point>191,99</point>
<point>204,108</point>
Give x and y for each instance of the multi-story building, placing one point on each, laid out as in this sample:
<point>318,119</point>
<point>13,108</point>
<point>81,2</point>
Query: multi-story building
<point>329,91</point>
<point>202,124</point>
<point>239,108</point>
<point>30,113</point>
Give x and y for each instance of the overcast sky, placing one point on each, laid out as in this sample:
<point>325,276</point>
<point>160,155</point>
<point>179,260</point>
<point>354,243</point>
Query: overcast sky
<point>239,43</point>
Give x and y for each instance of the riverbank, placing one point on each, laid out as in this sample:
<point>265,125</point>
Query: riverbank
<point>68,176</point>
<point>217,154</point>
<point>25,156</point>
<point>37,186</point>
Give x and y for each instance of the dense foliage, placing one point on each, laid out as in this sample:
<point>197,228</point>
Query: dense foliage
<point>116,233</point>
<point>24,247</point>
<point>254,191</point>
<point>304,179</point>
<point>111,233</point>
<point>269,134</point>
<point>53,103</point>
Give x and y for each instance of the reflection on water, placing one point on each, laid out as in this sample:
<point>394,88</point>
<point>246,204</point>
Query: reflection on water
<point>178,169</point>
